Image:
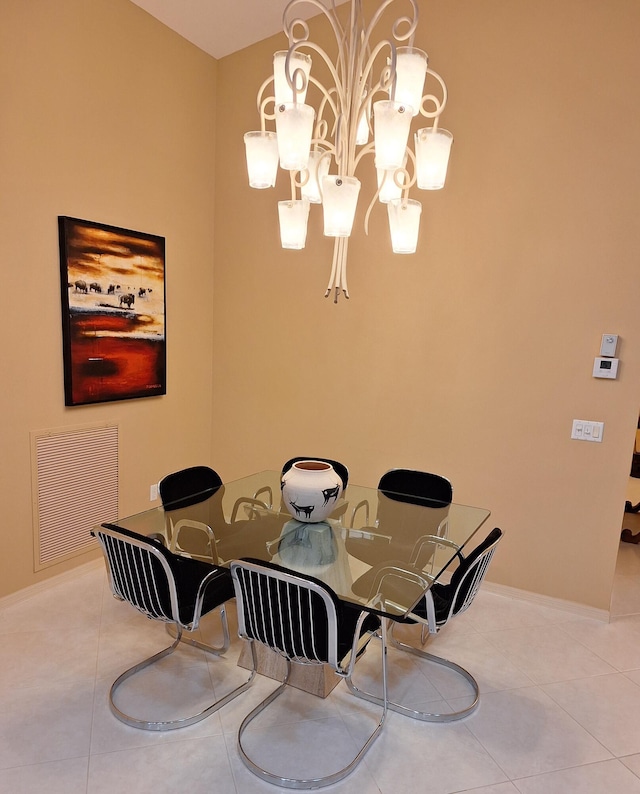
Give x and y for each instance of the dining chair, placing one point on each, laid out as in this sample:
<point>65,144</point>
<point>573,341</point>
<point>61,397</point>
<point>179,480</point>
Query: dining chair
<point>197,526</point>
<point>302,620</point>
<point>170,588</point>
<point>181,492</point>
<point>441,603</point>
<point>415,498</point>
<point>188,486</point>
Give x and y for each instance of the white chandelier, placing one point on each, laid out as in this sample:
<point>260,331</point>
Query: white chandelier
<point>322,147</point>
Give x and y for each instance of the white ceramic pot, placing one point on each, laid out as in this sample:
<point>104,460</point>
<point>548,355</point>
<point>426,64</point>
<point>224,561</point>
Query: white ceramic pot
<point>310,490</point>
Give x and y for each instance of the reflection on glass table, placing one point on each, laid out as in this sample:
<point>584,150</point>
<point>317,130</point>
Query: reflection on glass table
<point>246,518</point>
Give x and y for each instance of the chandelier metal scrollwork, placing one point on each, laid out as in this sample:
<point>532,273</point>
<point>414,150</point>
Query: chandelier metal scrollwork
<point>359,114</point>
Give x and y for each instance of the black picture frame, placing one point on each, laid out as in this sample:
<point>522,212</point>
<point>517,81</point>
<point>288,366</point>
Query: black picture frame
<point>113,312</point>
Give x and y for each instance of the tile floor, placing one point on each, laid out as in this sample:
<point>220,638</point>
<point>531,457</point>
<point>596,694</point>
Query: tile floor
<point>559,710</point>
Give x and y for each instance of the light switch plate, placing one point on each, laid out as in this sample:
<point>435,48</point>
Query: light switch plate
<point>584,430</point>
<point>609,344</point>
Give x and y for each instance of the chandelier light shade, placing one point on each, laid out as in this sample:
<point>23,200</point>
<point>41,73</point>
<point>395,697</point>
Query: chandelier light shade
<point>293,216</point>
<point>433,147</point>
<point>262,158</point>
<point>299,66</point>
<point>354,109</point>
<point>339,200</point>
<point>294,129</point>
<point>391,132</point>
<point>404,225</point>
<point>411,72</point>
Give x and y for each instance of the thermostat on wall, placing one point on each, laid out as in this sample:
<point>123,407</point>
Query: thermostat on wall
<point>606,368</point>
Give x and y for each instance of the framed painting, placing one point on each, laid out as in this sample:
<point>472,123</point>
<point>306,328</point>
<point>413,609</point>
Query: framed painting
<point>113,312</point>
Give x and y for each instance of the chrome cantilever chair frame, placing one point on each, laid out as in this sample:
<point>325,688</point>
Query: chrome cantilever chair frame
<point>468,585</point>
<point>290,631</point>
<point>133,578</point>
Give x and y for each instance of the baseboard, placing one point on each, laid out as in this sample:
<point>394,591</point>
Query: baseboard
<point>47,584</point>
<point>571,607</point>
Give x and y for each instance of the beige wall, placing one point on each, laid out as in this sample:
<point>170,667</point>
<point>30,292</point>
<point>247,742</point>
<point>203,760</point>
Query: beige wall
<point>106,115</point>
<point>472,357</point>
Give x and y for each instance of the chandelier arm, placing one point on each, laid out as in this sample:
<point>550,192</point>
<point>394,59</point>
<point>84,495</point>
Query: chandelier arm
<point>264,115</point>
<point>326,98</point>
<point>303,179</point>
<point>397,35</point>
<point>438,103</point>
<point>342,148</point>
<point>297,81</point>
<point>343,269</point>
<point>325,143</point>
<point>320,133</point>
<point>334,265</point>
<point>330,14</point>
<point>407,182</point>
<point>338,279</point>
<point>292,177</point>
<point>262,102</point>
<point>370,209</point>
<point>386,78</point>
<point>288,24</point>
<point>369,148</point>
<point>365,91</point>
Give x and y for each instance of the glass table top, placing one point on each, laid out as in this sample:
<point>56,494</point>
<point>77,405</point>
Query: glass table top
<point>375,550</point>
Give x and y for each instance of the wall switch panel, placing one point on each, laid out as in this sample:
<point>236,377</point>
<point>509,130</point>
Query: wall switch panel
<point>583,430</point>
<point>153,492</point>
<point>609,344</point>
<point>606,368</point>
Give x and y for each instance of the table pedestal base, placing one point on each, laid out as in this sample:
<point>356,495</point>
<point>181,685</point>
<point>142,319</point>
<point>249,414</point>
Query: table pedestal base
<point>318,679</point>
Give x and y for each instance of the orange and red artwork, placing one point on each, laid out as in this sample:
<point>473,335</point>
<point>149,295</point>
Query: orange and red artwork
<point>113,312</point>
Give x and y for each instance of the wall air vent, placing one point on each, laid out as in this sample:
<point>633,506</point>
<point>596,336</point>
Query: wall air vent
<point>75,486</point>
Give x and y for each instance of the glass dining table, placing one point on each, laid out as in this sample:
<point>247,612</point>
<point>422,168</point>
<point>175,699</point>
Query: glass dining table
<point>377,550</point>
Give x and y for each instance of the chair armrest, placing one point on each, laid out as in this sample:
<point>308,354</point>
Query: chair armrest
<point>385,574</point>
<point>424,580</point>
<point>197,525</point>
<point>434,540</point>
<point>364,503</point>
<point>247,500</point>
<point>265,489</point>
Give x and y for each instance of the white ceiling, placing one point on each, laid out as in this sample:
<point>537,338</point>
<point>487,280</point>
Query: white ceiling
<point>221,27</point>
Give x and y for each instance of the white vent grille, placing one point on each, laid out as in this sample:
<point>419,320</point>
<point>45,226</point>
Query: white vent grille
<point>75,487</point>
